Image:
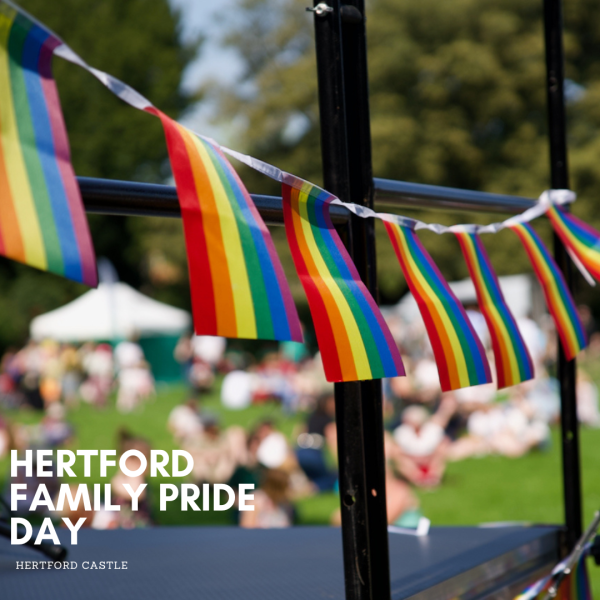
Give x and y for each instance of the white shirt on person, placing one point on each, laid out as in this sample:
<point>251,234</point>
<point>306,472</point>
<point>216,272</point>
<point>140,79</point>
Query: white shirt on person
<point>419,443</point>
<point>209,348</point>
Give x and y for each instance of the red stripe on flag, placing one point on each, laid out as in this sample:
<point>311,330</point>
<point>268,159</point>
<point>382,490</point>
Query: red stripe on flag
<point>436,344</point>
<point>325,337</point>
<point>201,285</point>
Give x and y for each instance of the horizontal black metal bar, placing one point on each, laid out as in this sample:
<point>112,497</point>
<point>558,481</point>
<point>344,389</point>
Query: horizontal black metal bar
<point>110,197</point>
<point>126,198</point>
<point>417,195</point>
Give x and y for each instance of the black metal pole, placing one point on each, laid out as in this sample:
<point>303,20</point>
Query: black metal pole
<point>362,240</point>
<point>559,176</point>
<point>347,172</point>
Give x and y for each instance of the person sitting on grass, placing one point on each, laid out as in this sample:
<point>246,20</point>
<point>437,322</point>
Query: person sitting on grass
<point>421,443</point>
<point>509,428</point>
<point>319,435</point>
<point>217,452</point>
<point>185,422</point>
<point>272,505</point>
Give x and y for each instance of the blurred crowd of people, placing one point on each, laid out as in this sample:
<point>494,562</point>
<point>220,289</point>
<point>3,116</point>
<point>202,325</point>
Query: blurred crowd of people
<point>289,374</point>
<point>45,373</point>
<point>425,429</point>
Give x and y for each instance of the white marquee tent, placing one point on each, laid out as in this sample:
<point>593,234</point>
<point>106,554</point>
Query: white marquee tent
<point>113,311</point>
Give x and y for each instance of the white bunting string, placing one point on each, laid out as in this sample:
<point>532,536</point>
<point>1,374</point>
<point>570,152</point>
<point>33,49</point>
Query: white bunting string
<point>547,198</point>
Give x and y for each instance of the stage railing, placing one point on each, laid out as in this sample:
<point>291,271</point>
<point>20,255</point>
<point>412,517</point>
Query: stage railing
<point>418,195</point>
<point>128,198</point>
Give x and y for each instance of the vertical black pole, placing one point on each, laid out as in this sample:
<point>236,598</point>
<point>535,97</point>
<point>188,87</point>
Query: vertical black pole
<point>560,180</point>
<point>347,172</point>
<point>358,128</point>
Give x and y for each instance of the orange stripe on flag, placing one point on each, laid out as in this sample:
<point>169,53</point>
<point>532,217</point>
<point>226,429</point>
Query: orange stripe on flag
<point>225,309</point>
<point>337,323</point>
<point>423,295</point>
<point>9,225</point>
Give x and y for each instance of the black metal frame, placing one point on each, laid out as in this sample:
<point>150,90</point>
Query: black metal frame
<point>127,198</point>
<point>346,151</point>
<point>559,174</point>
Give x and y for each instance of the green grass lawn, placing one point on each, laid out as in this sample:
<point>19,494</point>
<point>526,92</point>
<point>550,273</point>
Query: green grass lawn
<point>474,491</point>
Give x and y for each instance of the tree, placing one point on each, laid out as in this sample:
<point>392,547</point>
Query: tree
<point>138,42</point>
<point>457,92</point>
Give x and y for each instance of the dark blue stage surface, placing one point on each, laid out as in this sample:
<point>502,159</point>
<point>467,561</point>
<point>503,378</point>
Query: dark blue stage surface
<point>293,564</point>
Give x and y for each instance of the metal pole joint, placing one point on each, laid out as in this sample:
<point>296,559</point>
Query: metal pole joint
<point>320,9</point>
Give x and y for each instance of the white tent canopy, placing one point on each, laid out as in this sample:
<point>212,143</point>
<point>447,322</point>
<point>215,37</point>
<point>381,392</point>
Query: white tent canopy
<point>110,312</point>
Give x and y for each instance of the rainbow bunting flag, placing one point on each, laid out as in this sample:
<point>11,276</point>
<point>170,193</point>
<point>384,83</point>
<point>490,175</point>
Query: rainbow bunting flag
<point>537,590</point>
<point>558,298</point>
<point>458,352</point>
<point>354,340</point>
<point>513,362</point>
<point>579,237</point>
<point>237,282</point>
<point>42,220</point>
<point>576,585</point>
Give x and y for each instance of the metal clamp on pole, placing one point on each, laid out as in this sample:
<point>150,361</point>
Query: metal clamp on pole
<point>320,9</point>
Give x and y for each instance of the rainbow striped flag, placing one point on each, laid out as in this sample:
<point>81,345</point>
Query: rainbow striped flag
<point>579,237</point>
<point>238,286</point>
<point>576,585</point>
<point>354,340</point>
<point>558,297</point>
<point>537,590</point>
<point>513,362</point>
<point>458,352</point>
<point>42,219</point>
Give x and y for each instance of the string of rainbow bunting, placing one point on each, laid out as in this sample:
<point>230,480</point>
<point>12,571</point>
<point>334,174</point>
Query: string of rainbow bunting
<point>459,354</point>
<point>237,282</point>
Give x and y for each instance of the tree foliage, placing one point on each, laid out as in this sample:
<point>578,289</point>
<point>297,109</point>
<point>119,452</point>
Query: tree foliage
<point>457,92</point>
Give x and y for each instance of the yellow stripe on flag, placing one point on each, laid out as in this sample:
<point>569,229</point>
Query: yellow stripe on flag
<point>359,353</point>
<point>459,357</point>
<point>242,294</point>
<point>22,198</point>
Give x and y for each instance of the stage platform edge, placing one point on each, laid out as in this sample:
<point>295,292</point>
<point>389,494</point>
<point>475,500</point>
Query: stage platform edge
<point>300,563</point>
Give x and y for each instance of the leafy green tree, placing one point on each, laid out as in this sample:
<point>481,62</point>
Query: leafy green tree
<point>457,92</point>
<point>138,42</point>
